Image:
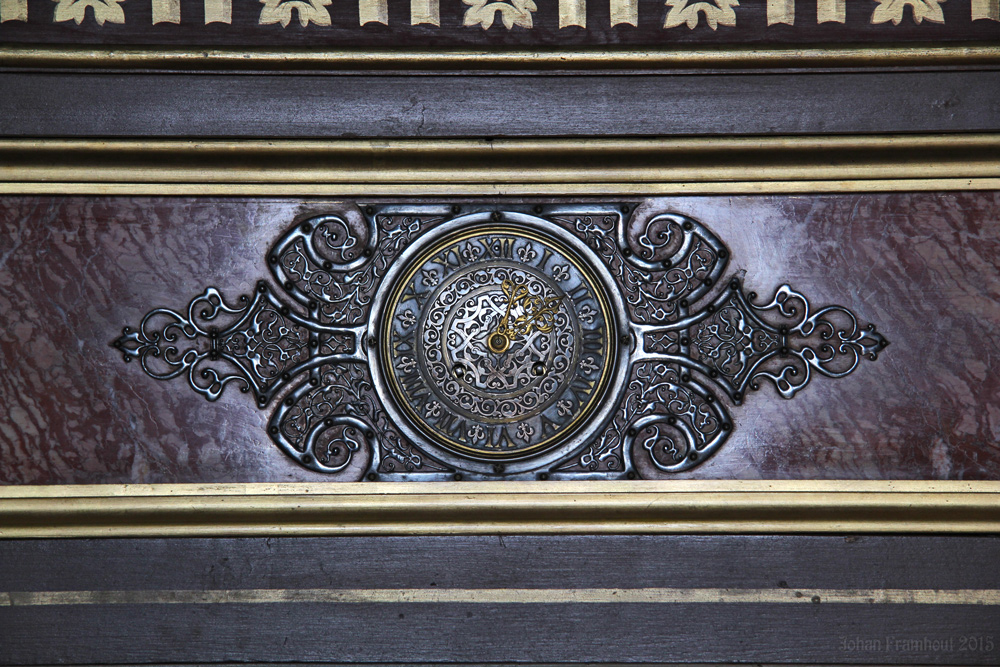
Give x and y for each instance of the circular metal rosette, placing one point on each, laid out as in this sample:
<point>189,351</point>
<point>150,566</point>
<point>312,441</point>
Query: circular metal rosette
<point>499,342</point>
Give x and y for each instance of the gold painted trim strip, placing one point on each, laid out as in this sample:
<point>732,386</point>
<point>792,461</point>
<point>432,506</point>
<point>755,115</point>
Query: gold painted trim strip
<point>682,506</point>
<point>496,189</point>
<point>259,58</point>
<point>498,167</point>
<point>879,596</point>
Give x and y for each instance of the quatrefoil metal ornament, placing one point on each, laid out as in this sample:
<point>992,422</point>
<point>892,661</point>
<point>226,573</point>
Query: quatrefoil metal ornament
<point>542,342</point>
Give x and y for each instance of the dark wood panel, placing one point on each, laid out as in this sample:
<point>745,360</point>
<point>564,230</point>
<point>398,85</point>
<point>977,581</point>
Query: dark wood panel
<point>495,106</point>
<point>360,633</point>
<point>920,266</point>
<point>750,26</point>
<point>399,632</point>
<point>688,561</point>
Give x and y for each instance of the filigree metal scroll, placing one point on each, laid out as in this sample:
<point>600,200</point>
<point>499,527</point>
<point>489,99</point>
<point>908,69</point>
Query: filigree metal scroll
<point>682,344</point>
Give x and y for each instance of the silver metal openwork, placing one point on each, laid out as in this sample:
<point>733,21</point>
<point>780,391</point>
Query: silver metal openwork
<point>528,342</point>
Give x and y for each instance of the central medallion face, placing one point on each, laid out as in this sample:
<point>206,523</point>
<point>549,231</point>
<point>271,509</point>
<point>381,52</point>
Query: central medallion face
<point>498,341</point>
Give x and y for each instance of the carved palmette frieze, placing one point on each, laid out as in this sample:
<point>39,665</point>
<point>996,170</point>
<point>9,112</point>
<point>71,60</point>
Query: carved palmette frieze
<point>555,342</point>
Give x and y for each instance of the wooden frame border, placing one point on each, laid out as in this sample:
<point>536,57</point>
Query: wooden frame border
<point>523,59</point>
<point>496,167</point>
<point>623,167</point>
<point>390,508</point>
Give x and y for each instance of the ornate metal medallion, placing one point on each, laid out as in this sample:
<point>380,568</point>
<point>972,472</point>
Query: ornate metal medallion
<point>498,342</point>
<point>553,344</point>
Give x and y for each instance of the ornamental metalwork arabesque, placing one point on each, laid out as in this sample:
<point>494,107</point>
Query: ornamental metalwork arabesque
<point>527,343</point>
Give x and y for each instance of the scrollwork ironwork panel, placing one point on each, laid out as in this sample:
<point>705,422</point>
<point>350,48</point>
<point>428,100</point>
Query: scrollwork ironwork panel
<point>435,343</point>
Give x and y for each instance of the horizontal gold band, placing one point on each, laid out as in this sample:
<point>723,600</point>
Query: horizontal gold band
<point>683,506</point>
<point>542,59</point>
<point>499,167</point>
<point>880,596</point>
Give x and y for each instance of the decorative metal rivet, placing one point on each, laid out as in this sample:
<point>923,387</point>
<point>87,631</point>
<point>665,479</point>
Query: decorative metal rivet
<point>631,433</point>
<point>667,264</point>
<point>713,373</point>
<point>335,451</point>
<point>367,252</point>
<point>289,285</point>
<point>707,282</point>
<point>627,252</point>
<point>737,396</point>
<point>722,253</point>
<point>273,430</point>
<point>685,341</point>
<point>370,210</point>
<point>306,227</point>
<point>630,474</point>
<point>369,434</point>
<point>543,476</point>
<point>538,369</point>
<point>286,376</point>
<point>537,210</point>
<point>671,420</point>
<point>289,401</point>
<point>372,477</point>
<point>261,287</point>
<point>688,226</point>
<point>495,216</point>
<point>307,459</point>
<point>456,209</point>
<point>498,468</point>
<point>273,259</point>
<point>327,265</point>
<point>625,339</point>
<point>314,382</point>
<point>625,209</point>
<point>457,477</point>
<point>684,303</point>
<point>693,456</point>
<point>685,377</point>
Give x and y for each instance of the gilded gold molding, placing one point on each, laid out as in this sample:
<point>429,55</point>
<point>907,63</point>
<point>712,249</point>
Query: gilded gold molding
<point>540,59</point>
<point>683,506</point>
<point>452,167</point>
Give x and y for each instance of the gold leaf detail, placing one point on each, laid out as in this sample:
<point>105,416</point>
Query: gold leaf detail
<point>718,12</point>
<point>309,11</point>
<point>76,10</point>
<point>892,10</point>
<point>515,12</point>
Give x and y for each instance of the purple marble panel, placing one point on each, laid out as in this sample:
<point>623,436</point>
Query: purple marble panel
<point>922,266</point>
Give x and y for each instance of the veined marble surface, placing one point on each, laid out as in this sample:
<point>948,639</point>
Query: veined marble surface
<point>922,266</point>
